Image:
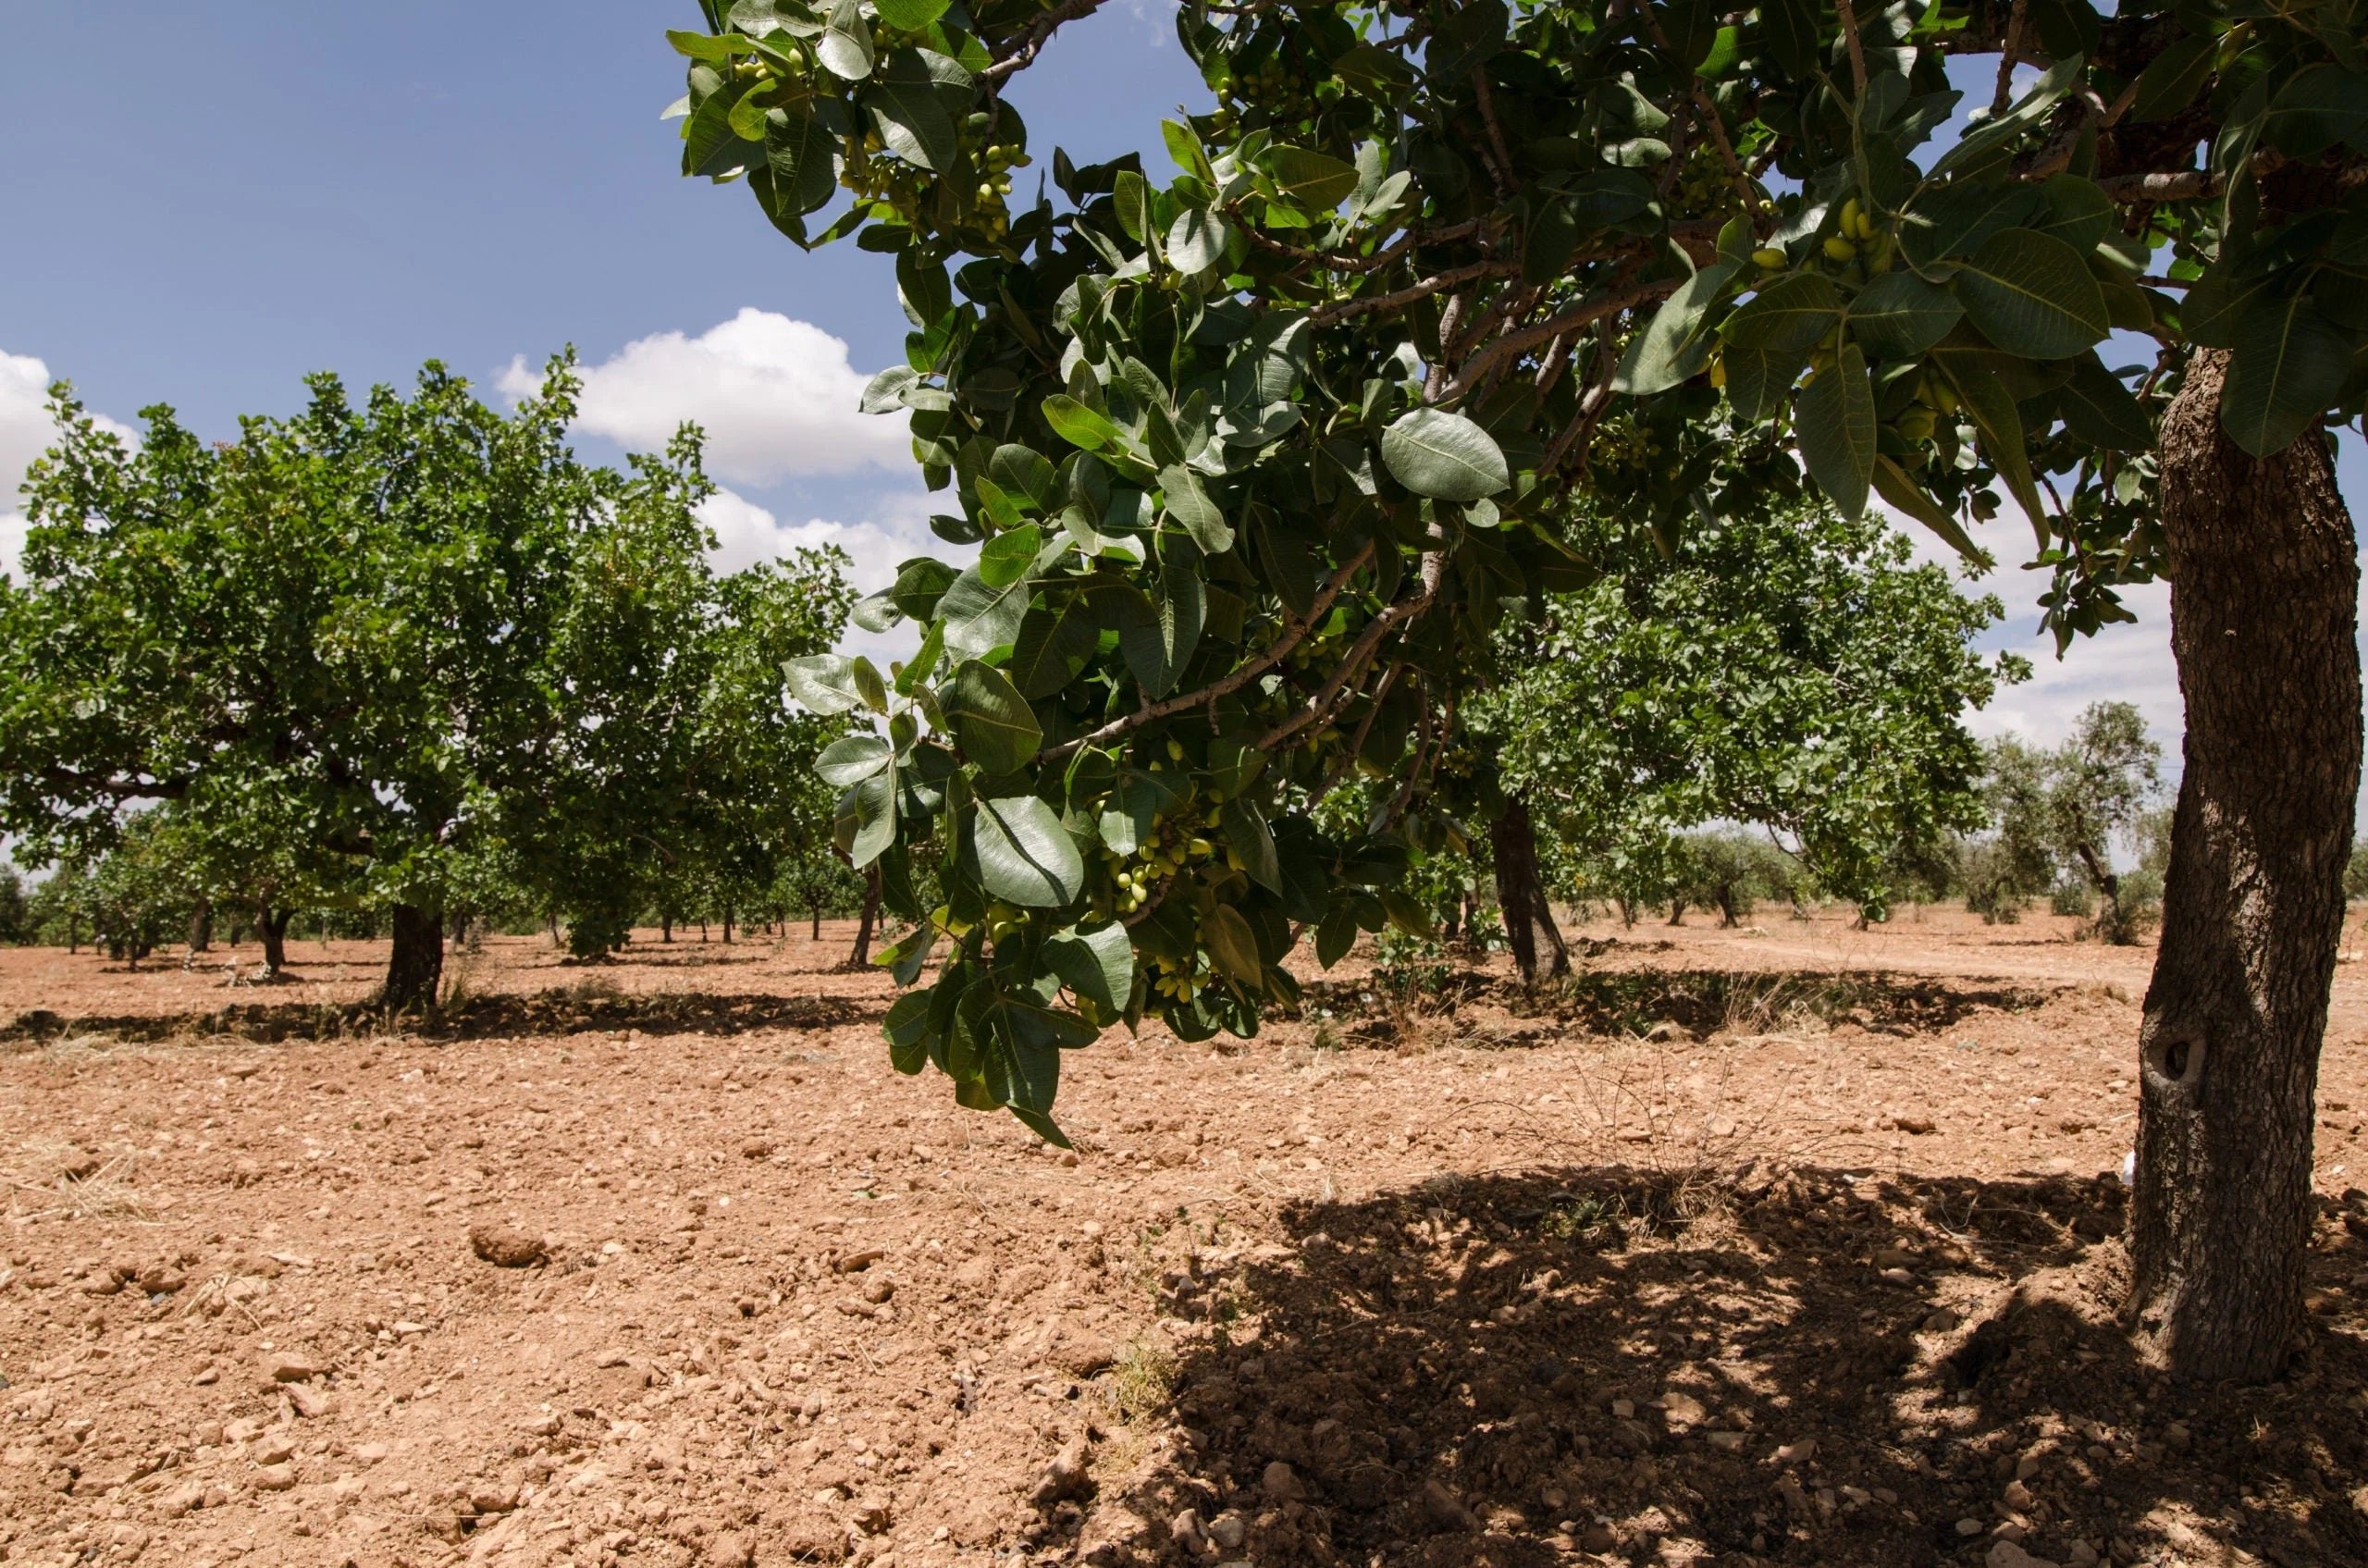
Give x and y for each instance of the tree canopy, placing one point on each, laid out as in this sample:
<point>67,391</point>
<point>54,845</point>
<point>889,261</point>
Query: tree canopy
<point>1259,449</point>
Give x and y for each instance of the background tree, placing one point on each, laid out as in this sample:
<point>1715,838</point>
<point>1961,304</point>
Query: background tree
<point>1776,665</point>
<point>1342,373</point>
<point>2060,813</point>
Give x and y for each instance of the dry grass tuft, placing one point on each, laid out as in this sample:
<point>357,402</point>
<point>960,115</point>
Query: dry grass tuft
<point>73,1184</point>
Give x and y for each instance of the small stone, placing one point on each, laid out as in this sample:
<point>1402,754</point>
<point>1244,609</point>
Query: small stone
<point>181,1499</point>
<point>877,1291</point>
<point>1281,1483</point>
<point>273,1448</point>
<point>2006,1554</point>
<point>2080,1554</point>
<point>494,1496</point>
<point>1942,1322</point>
<point>369,1453</point>
<point>1894,1257</point>
<point>1730,1443</point>
<point>872,1516</point>
<point>855,1263</point>
<point>730,1549</point>
<point>1970,1526</point>
<point>1897,1276</point>
<point>288,1367</point>
<point>1919,1125</point>
<point>2177,1437</point>
<point>1795,1453</point>
<point>1229,1529</point>
<point>757,1149</point>
<point>506,1248</point>
<point>1681,1410</point>
<point>1063,1477</point>
<point>275,1477</point>
<point>2019,1497</point>
<point>1624,1409</point>
<point>1598,1536</point>
<point>1186,1532</point>
<point>308,1401</point>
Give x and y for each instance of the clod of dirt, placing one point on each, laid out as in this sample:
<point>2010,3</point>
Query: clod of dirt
<point>292,1366</point>
<point>505,1248</point>
<point>1446,1511</point>
<point>1064,1477</point>
<point>1281,1483</point>
<point>309,1402</point>
<point>2006,1554</point>
<point>277,1477</point>
<point>855,1263</point>
<point>730,1551</point>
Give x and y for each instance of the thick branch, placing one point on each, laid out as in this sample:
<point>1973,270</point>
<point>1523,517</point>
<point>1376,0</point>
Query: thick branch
<point>1571,320</point>
<point>1409,294</point>
<point>1040,33</point>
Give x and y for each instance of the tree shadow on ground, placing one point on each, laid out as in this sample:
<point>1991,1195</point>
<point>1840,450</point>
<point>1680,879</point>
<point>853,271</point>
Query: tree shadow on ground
<point>1817,1367</point>
<point>1703,1002</point>
<point>573,1009</point>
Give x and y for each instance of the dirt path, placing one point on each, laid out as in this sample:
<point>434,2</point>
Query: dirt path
<point>1822,1274</point>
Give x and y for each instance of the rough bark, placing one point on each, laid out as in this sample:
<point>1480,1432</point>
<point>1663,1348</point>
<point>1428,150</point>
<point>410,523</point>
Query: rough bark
<point>200,927</point>
<point>1512,841</point>
<point>2265,593</point>
<point>817,933</point>
<point>415,964</point>
<point>862,954</point>
<point>271,929</point>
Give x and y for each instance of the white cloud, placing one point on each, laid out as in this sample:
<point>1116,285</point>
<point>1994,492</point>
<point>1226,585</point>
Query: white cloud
<point>25,433</point>
<point>897,530</point>
<point>776,397</point>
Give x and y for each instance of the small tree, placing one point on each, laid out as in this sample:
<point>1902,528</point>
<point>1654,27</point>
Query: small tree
<point>2061,813</point>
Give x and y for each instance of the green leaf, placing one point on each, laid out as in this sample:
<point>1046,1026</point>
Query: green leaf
<point>911,16</point>
<point>2319,107</point>
<point>1788,316</point>
<point>1248,837</point>
<point>1097,964</point>
<point>1079,425</point>
<point>849,761</point>
<point>1444,455</point>
<point>844,47</point>
<point>907,1027</point>
<point>1004,559</point>
<point>2172,79</point>
<point>699,45</point>
<point>1230,942</point>
<point>1835,419</point>
<point>867,684</point>
<point>865,825</point>
<point>2032,295</point>
<point>1314,180</point>
<point>1336,934</point>
<point>1999,427</point>
<point>1189,503</point>
<point>800,152</point>
<point>910,117</point>
<point>2102,411</point>
<point>1157,637</point>
<point>993,722</point>
<point>823,682</point>
<point>1667,352</point>
<point>1025,855</point>
<point>980,618</point>
<point>1053,644</point>
<point>1899,315</point>
<point>1185,148</point>
<point>2288,365</point>
<point>1954,220</point>
<point>2078,212</point>
<point>1196,241</point>
<point>1893,485</point>
<point>1759,383</point>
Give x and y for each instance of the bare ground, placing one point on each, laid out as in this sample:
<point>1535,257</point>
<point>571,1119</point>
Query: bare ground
<point>1795,1244</point>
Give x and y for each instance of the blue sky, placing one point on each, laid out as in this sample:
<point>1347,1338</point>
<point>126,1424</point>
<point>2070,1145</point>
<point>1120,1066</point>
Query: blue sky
<point>206,203</point>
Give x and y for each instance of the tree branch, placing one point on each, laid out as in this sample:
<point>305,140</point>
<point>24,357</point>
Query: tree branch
<point>1408,295</point>
<point>1276,653</point>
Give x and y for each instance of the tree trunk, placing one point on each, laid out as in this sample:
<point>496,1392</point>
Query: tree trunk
<point>818,923</point>
<point>727,925</point>
<point>1677,911</point>
<point>862,954</point>
<point>417,962</point>
<point>271,928</point>
<point>2264,594</point>
<point>1560,965</point>
<point>1513,842</point>
<point>665,927</point>
<point>200,927</point>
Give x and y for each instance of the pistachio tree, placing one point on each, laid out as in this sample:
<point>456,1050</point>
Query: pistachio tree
<point>1259,449</point>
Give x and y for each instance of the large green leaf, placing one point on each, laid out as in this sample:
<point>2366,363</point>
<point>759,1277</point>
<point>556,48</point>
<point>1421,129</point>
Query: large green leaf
<point>865,825</point>
<point>1998,425</point>
<point>1248,837</point>
<point>824,682</point>
<point>1098,964</point>
<point>2032,295</point>
<point>2172,79</point>
<point>911,16</point>
<point>2101,410</point>
<point>1952,220</point>
<point>1671,350</point>
<point>844,47</point>
<point>1025,855</point>
<point>1787,316</point>
<point>1316,182</point>
<point>980,618</point>
<point>1444,455</point>
<point>1992,138</point>
<point>1758,383</point>
<point>1054,643</point>
<point>1194,510</point>
<point>2319,107</point>
<point>1196,241</point>
<point>995,726</point>
<point>910,117</point>
<point>2288,366</point>
<point>1232,943</point>
<point>1080,426</point>
<point>1835,419</point>
<point>1900,314</point>
<point>849,761</point>
<point>1157,635</point>
<point>1893,484</point>
<point>800,152</point>
<point>1004,559</point>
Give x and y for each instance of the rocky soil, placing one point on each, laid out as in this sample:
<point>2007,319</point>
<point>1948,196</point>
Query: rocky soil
<point>1789,1245</point>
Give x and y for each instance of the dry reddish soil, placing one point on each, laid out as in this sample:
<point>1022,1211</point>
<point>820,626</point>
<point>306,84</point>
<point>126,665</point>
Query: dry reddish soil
<point>1787,1245</point>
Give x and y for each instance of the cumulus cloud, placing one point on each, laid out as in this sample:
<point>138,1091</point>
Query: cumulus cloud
<point>25,433</point>
<point>776,397</point>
